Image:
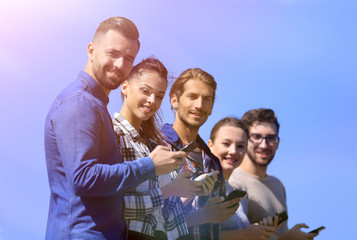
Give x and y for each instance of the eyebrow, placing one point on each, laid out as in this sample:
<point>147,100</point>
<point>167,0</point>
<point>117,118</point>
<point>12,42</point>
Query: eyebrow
<point>150,87</point>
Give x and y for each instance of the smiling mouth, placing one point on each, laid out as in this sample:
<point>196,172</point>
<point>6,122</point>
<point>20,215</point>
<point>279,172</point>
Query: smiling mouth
<point>115,74</point>
<point>196,115</point>
<point>148,109</point>
<point>231,160</point>
<point>263,155</point>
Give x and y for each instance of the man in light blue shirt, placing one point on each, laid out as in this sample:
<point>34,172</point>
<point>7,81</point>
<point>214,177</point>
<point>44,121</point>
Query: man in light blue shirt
<point>86,175</point>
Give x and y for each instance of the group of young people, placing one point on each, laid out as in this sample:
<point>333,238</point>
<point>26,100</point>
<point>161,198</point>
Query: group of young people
<point>127,178</point>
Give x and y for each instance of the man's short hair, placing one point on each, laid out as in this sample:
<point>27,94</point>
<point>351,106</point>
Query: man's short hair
<point>260,115</point>
<point>120,24</point>
<point>178,86</point>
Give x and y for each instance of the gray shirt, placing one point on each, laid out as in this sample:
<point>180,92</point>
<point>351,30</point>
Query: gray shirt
<point>266,196</point>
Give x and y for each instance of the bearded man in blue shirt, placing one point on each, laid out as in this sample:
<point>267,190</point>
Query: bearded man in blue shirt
<point>86,174</point>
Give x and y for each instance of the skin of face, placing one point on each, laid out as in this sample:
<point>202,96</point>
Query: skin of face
<point>195,104</point>
<point>262,154</point>
<point>229,146</point>
<point>111,57</point>
<point>142,97</point>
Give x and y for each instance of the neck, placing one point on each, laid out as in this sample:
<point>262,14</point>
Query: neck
<point>248,166</point>
<point>227,174</point>
<point>185,133</point>
<point>88,69</point>
<point>128,115</point>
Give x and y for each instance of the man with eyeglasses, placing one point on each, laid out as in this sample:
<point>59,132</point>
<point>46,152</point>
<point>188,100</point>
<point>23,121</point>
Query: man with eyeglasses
<point>266,194</point>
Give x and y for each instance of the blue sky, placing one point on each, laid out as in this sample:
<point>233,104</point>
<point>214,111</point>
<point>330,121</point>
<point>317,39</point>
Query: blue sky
<point>297,57</point>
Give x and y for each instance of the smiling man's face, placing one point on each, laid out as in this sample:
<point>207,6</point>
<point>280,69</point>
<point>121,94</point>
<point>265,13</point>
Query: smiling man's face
<point>194,105</point>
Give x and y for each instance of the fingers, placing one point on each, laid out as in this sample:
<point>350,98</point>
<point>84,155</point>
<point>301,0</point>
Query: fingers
<point>204,188</point>
<point>215,200</point>
<point>209,184</point>
<point>264,222</point>
<point>276,220</point>
<point>311,235</point>
<point>184,174</point>
<point>301,225</point>
<point>161,147</point>
<point>214,176</point>
<point>232,202</point>
<point>200,177</point>
<point>211,179</point>
<point>208,181</point>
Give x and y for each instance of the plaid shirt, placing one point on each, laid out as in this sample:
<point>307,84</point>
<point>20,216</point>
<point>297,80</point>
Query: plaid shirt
<point>210,163</point>
<point>145,209</point>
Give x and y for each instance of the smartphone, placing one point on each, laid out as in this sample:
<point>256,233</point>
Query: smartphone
<point>282,217</point>
<point>189,147</point>
<point>317,230</point>
<point>234,194</point>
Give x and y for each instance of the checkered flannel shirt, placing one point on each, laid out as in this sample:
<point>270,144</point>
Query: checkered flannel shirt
<point>145,209</point>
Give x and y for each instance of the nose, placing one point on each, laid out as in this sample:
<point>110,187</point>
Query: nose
<point>232,149</point>
<point>264,144</point>
<point>198,103</point>
<point>151,98</point>
<point>119,63</point>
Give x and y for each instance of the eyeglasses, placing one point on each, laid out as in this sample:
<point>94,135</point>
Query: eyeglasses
<point>258,139</point>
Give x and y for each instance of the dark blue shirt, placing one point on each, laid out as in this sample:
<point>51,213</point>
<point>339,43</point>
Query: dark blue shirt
<point>86,175</point>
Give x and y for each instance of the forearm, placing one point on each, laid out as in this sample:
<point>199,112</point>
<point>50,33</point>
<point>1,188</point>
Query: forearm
<point>235,234</point>
<point>168,191</point>
<point>104,179</point>
<point>194,218</point>
<point>186,201</point>
<point>283,236</point>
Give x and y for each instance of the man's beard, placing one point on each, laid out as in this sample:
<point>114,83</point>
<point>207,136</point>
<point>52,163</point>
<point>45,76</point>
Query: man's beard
<point>254,160</point>
<point>105,82</point>
<point>189,125</point>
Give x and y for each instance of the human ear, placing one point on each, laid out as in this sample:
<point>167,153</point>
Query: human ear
<point>174,101</point>
<point>124,88</point>
<point>90,50</point>
<point>210,144</point>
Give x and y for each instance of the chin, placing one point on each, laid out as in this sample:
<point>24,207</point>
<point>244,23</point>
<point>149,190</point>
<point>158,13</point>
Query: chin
<point>146,117</point>
<point>228,166</point>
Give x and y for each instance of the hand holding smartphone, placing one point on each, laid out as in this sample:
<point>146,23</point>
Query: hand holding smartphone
<point>318,230</point>
<point>282,217</point>
<point>235,193</point>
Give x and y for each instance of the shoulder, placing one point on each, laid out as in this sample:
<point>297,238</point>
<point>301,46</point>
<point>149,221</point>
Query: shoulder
<point>274,180</point>
<point>240,179</point>
<point>76,104</point>
<point>275,183</point>
<point>169,134</point>
<point>118,124</point>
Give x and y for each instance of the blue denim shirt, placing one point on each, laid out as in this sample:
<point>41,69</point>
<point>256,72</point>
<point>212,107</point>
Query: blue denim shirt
<point>86,175</point>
